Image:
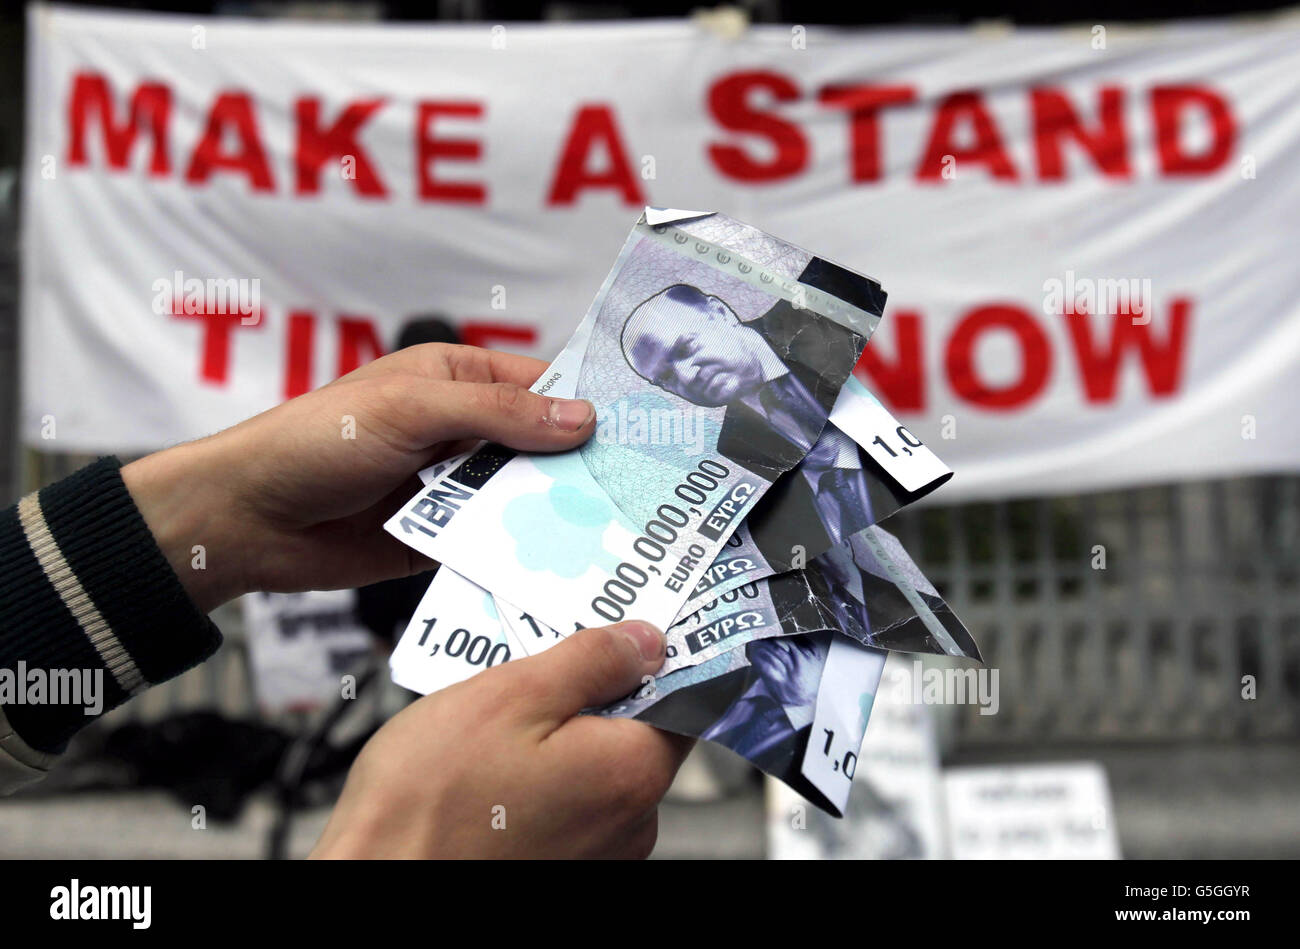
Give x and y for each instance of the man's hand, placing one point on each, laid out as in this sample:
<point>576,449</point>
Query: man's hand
<point>503,766</point>
<point>295,498</point>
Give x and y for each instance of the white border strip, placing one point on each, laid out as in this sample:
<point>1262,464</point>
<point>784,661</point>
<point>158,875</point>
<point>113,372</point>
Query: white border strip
<point>75,598</point>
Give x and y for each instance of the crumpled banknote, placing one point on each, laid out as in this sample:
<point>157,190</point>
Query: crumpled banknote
<point>731,495</point>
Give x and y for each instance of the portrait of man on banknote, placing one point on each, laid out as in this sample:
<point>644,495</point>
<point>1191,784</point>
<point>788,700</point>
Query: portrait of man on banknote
<point>693,345</point>
<point>760,702</point>
<point>777,702</point>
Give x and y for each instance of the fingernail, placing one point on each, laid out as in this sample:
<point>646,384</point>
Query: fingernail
<point>648,640</point>
<point>569,415</point>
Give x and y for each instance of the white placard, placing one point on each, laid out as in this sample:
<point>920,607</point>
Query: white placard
<point>301,645</point>
<point>1030,812</point>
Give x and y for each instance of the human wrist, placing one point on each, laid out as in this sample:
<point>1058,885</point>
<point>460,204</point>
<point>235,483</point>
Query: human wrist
<point>189,512</point>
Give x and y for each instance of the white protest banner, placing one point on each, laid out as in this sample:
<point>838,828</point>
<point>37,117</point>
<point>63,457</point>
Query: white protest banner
<point>1087,239</point>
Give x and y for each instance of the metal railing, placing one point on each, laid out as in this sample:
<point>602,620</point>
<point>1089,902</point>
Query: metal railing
<point>1128,615</point>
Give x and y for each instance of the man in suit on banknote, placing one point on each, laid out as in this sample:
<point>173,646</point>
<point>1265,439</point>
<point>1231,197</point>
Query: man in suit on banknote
<point>771,373</point>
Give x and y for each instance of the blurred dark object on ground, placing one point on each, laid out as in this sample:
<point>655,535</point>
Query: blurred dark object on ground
<point>200,757</point>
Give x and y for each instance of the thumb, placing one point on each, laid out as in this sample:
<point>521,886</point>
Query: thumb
<point>498,412</point>
<point>593,667</point>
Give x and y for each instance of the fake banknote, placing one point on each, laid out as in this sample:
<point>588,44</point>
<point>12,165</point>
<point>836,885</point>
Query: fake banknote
<point>864,467</point>
<point>736,344</point>
<point>866,588</point>
<point>796,707</point>
<point>454,633</point>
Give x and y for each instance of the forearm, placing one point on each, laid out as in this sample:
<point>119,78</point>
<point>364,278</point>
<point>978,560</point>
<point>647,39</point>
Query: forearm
<point>179,493</point>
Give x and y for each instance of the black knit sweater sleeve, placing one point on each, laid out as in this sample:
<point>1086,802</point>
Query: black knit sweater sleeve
<point>91,613</point>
